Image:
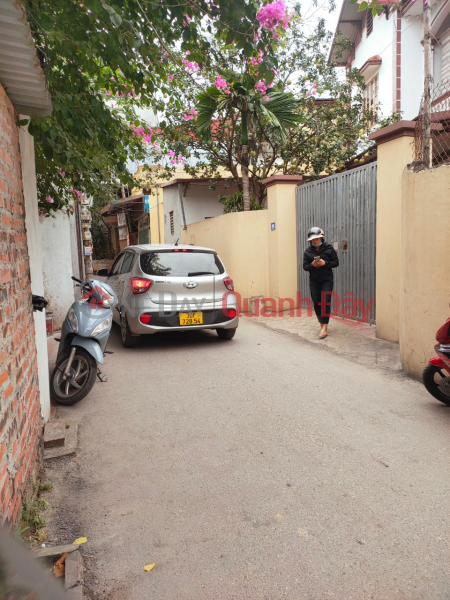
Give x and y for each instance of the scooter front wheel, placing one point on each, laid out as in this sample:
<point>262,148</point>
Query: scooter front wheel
<point>80,381</point>
<point>437,382</point>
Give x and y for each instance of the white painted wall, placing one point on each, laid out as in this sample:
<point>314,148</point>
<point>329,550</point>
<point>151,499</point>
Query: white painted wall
<point>35,257</point>
<point>379,43</point>
<point>57,265</point>
<point>412,68</point>
<point>171,202</point>
<point>199,203</point>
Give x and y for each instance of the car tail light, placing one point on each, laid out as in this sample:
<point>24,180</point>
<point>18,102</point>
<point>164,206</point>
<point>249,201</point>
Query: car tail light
<point>139,286</point>
<point>232,313</point>
<point>228,282</point>
<point>145,318</point>
<point>182,250</point>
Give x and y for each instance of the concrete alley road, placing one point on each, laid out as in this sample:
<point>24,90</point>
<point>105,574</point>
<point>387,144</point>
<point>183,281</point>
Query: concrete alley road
<point>257,468</point>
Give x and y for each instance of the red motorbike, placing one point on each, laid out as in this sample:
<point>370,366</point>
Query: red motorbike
<point>436,375</point>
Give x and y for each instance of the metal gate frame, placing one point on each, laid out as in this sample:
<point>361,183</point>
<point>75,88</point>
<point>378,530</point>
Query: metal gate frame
<point>344,205</point>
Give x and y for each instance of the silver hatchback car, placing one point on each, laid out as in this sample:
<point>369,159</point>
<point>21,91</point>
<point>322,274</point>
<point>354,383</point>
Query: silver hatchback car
<point>171,288</point>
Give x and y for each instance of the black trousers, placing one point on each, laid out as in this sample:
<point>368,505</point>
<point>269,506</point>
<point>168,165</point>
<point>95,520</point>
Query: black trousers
<point>321,297</point>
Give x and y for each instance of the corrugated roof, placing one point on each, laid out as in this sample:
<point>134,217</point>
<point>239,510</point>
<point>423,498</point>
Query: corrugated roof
<point>20,71</point>
<point>349,25</point>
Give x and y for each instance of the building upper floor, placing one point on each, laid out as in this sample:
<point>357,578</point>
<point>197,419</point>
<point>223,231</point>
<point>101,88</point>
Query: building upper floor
<point>388,51</point>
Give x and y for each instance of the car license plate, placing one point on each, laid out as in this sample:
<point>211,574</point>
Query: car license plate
<point>191,318</point>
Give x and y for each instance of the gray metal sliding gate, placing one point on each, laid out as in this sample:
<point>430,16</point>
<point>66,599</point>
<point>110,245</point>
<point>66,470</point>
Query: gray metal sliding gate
<point>344,205</point>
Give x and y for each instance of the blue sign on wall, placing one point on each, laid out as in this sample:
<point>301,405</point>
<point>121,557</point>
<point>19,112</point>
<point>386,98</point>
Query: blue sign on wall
<point>146,204</point>
<point>272,226</point>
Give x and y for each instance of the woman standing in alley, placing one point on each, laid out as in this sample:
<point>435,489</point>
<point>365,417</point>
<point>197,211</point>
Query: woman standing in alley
<point>319,259</point>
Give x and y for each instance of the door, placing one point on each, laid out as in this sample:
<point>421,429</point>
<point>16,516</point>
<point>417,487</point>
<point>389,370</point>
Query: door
<point>344,206</point>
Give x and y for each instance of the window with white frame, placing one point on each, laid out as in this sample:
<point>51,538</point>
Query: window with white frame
<point>370,96</point>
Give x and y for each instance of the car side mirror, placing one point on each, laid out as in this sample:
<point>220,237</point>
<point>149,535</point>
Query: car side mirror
<point>103,272</point>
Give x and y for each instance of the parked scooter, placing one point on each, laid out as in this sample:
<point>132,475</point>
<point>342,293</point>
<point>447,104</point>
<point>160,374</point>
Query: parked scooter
<point>83,341</point>
<point>436,375</point>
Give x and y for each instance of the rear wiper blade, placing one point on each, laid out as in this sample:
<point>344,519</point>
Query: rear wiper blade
<point>200,273</point>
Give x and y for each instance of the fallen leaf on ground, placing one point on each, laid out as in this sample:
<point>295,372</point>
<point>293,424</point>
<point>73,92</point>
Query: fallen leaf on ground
<point>149,567</point>
<point>59,568</point>
<point>81,540</point>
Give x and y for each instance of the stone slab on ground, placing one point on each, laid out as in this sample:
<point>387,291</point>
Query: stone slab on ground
<point>74,570</point>
<point>54,434</point>
<point>75,593</point>
<point>350,339</point>
<point>55,551</point>
<point>70,445</point>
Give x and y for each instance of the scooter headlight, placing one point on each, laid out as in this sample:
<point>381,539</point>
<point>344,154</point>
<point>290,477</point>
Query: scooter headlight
<point>101,327</point>
<point>73,320</point>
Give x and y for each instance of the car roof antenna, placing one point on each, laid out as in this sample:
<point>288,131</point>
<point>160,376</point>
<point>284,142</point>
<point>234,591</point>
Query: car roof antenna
<point>176,243</point>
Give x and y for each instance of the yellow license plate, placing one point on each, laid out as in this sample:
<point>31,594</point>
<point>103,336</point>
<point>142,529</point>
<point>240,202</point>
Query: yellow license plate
<point>191,318</point>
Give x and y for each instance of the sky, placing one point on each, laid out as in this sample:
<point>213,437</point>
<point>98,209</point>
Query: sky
<point>313,11</point>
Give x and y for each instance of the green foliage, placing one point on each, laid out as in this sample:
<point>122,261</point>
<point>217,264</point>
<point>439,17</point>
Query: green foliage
<point>235,203</point>
<point>93,50</point>
<point>33,520</point>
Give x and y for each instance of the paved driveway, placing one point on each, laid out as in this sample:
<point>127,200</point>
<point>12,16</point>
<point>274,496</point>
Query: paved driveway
<point>259,468</point>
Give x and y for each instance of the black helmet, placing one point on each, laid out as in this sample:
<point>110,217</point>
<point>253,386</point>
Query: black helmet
<point>315,232</point>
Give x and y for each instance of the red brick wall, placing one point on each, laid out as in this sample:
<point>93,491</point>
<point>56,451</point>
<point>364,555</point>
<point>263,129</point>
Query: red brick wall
<point>20,412</point>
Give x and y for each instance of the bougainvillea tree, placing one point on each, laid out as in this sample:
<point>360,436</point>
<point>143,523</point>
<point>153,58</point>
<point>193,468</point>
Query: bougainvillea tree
<point>296,115</point>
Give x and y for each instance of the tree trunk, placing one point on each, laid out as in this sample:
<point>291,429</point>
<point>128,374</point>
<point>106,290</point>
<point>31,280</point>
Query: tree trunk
<point>244,158</point>
<point>428,83</point>
<point>245,181</point>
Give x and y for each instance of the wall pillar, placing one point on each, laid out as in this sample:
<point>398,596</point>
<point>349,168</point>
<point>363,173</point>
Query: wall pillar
<point>35,255</point>
<point>395,151</point>
<point>424,293</point>
<point>282,236</point>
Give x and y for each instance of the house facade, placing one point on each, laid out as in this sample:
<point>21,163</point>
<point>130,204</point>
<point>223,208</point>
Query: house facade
<point>388,51</point>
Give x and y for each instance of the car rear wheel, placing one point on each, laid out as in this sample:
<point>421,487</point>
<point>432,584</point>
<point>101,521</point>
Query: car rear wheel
<point>128,340</point>
<point>226,334</point>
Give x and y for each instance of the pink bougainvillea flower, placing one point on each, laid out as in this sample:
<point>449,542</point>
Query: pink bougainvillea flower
<point>273,15</point>
<point>220,83</point>
<point>63,173</point>
<point>266,98</point>
<point>187,117</point>
<point>261,86</point>
<point>171,153</point>
<point>188,52</point>
<point>48,199</point>
<point>170,78</point>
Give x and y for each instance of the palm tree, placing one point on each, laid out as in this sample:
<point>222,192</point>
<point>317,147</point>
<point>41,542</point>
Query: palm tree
<point>247,106</point>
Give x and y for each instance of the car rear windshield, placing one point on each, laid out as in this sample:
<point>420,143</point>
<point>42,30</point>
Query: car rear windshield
<point>181,264</point>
